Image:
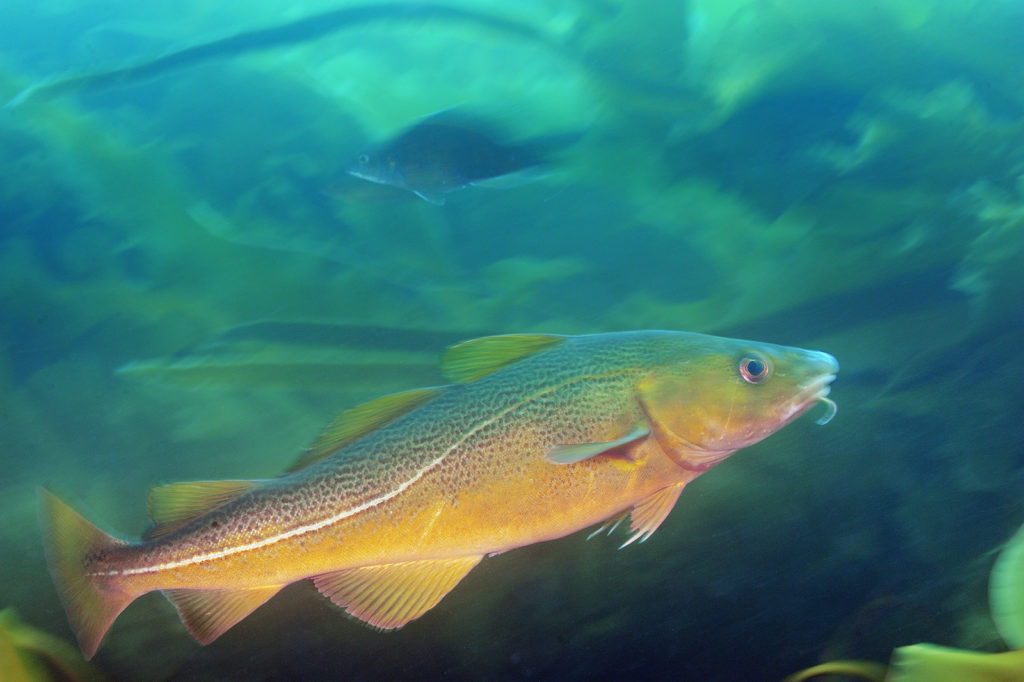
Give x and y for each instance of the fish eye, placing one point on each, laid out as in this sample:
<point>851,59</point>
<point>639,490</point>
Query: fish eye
<point>754,369</point>
<point>363,159</point>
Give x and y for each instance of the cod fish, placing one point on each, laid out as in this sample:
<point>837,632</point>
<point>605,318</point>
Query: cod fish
<point>537,436</point>
<point>449,151</point>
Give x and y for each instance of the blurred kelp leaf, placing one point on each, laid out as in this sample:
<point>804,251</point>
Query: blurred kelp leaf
<point>929,138</point>
<point>990,268</point>
<point>31,655</point>
<point>305,355</point>
<point>740,49</point>
<point>765,151</point>
<point>890,203</point>
<point>172,254</point>
<point>391,75</point>
<point>255,229</point>
<point>802,96</point>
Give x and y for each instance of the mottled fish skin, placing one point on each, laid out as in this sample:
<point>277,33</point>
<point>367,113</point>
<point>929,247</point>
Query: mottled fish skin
<point>466,474</point>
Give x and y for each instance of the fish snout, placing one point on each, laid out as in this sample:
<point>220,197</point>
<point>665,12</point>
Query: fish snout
<point>822,369</point>
<point>827,361</point>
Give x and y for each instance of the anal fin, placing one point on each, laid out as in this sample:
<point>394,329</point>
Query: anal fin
<point>388,596</point>
<point>207,614</point>
<point>649,512</point>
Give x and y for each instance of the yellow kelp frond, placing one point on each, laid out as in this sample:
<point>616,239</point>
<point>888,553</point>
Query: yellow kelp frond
<point>23,649</point>
<point>14,665</point>
<point>865,670</point>
<point>931,663</point>
<point>1006,592</point>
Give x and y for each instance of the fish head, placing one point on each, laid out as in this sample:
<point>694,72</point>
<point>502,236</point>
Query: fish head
<point>712,396</point>
<point>377,166</point>
<point>391,167</point>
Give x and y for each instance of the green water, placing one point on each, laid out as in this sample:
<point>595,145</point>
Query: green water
<point>191,288</point>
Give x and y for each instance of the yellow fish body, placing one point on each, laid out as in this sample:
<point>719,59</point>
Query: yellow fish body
<point>537,437</point>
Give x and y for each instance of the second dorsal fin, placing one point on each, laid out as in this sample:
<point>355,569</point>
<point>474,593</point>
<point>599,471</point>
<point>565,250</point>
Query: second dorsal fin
<point>174,505</point>
<point>470,360</point>
<point>356,422</point>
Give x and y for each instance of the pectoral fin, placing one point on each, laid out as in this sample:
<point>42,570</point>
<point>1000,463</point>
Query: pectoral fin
<point>648,514</point>
<point>577,452</point>
<point>388,596</point>
<point>207,614</point>
<point>610,524</point>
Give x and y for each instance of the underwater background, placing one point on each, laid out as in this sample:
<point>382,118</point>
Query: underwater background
<point>191,287</point>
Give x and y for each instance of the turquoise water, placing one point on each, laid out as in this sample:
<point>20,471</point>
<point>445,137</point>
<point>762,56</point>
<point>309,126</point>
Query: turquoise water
<point>191,287</point>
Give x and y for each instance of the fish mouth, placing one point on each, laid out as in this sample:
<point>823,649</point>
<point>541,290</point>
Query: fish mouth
<point>816,392</point>
<point>361,174</point>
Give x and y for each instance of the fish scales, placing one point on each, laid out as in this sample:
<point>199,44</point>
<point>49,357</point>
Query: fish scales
<point>461,424</point>
<point>537,447</point>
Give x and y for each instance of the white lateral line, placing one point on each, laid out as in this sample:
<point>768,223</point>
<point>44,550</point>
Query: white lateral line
<point>312,527</point>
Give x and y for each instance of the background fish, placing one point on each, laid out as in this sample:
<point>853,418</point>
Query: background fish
<point>448,151</point>
<point>312,354</point>
<point>539,437</point>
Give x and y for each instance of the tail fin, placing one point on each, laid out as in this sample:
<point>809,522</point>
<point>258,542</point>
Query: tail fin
<point>70,539</point>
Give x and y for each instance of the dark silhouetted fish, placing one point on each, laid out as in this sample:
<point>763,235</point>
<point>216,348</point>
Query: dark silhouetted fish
<point>448,151</point>
<point>313,354</point>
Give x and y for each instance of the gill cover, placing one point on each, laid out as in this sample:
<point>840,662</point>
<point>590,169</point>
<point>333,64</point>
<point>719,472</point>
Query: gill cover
<point>712,404</point>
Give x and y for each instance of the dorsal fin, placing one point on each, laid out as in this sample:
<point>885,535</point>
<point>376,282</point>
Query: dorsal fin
<point>174,505</point>
<point>356,422</point>
<point>476,358</point>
